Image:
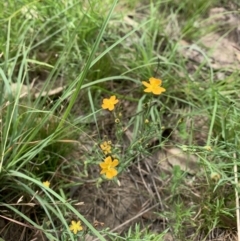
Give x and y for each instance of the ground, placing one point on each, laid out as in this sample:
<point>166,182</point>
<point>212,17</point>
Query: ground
<point>177,151</point>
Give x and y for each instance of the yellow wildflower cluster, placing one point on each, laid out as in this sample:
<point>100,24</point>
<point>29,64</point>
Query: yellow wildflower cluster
<point>106,147</point>
<point>108,165</point>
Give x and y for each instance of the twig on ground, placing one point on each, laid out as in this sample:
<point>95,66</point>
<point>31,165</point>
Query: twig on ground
<point>131,219</point>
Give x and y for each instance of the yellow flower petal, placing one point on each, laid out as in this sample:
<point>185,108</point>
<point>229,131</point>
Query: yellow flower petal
<point>103,171</point>
<point>103,165</point>
<point>154,81</point>
<point>158,90</point>
<point>115,163</point>
<point>148,90</point>
<point>146,83</point>
<point>108,160</point>
<point>113,99</point>
<point>111,173</point>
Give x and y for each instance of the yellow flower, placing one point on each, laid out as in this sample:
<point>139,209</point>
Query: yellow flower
<point>109,103</point>
<point>154,86</point>
<point>108,167</point>
<point>75,227</point>
<point>106,147</point>
<point>46,184</point>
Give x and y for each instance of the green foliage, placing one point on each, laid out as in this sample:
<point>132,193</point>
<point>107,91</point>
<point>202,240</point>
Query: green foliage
<point>135,234</point>
<point>94,52</point>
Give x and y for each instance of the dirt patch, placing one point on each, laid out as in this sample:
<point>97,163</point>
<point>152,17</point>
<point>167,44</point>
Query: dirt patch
<point>216,50</point>
<point>133,199</point>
